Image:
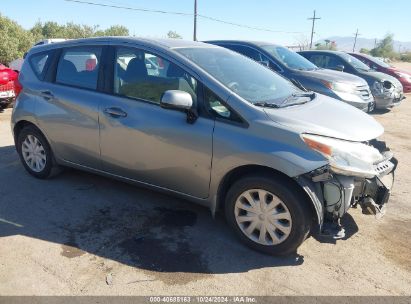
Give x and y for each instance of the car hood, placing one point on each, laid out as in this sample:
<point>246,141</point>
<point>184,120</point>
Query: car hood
<point>393,70</point>
<point>333,76</point>
<point>373,76</point>
<point>328,117</point>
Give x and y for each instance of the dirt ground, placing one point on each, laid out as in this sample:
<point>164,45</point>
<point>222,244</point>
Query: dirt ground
<point>81,234</point>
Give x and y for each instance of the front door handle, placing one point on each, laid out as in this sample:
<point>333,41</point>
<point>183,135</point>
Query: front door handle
<point>115,112</point>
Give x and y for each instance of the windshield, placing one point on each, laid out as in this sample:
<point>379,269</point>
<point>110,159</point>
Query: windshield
<point>355,63</point>
<point>247,78</point>
<point>289,58</point>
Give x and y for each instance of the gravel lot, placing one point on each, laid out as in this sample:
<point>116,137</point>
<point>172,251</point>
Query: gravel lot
<point>81,234</point>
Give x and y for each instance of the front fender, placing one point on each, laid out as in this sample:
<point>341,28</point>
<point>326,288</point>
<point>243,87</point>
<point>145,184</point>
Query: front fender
<point>313,190</point>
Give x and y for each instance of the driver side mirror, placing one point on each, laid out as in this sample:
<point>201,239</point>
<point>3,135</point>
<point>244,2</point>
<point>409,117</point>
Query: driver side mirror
<point>175,99</point>
<point>179,100</point>
<point>264,63</point>
<point>340,68</point>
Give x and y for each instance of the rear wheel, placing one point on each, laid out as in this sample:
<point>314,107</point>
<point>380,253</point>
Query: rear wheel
<point>35,153</point>
<point>268,215</point>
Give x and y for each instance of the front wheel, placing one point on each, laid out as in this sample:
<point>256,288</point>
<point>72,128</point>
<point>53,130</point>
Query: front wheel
<point>268,215</point>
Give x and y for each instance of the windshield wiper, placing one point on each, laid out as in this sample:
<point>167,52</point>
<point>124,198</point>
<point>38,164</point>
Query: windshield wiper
<point>296,96</point>
<point>298,84</point>
<point>266,105</point>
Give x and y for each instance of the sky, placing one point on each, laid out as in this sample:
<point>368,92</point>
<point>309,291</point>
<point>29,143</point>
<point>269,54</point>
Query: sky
<point>374,19</point>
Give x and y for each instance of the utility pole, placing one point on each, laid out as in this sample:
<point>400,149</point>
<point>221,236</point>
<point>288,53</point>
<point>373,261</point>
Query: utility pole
<point>355,40</point>
<point>195,21</point>
<point>375,43</point>
<point>314,18</point>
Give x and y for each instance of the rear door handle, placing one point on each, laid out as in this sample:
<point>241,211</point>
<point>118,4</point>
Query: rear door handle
<point>47,95</point>
<point>115,112</point>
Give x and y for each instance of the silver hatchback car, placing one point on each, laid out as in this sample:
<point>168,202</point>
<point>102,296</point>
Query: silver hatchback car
<point>204,123</point>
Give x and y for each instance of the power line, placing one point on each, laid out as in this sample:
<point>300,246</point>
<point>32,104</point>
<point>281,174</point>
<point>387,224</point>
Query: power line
<point>312,29</point>
<point>130,8</point>
<point>247,26</point>
<point>181,14</point>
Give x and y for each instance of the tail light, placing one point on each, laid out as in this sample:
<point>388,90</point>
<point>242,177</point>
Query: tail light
<point>17,87</point>
<point>4,77</point>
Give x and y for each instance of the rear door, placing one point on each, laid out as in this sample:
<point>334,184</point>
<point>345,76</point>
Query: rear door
<point>141,140</point>
<point>68,111</point>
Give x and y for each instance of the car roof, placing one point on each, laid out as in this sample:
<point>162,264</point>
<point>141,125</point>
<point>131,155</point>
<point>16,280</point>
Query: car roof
<point>361,55</point>
<point>161,42</point>
<point>244,42</point>
<point>322,51</point>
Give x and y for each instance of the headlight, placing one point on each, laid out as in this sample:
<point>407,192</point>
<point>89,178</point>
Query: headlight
<point>346,158</point>
<point>340,86</point>
<point>383,88</point>
<point>378,88</point>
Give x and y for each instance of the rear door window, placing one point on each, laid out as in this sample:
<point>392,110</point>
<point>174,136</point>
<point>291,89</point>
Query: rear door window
<point>79,67</point>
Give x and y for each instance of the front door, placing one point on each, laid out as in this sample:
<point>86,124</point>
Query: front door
<point>140,140</point>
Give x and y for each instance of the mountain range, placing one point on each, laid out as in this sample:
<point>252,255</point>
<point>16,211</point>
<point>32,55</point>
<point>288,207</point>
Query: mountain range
<point>347,43</point>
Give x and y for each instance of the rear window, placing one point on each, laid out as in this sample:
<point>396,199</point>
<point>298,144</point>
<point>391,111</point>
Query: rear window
<point>79,67</point>
<point>38,63</point>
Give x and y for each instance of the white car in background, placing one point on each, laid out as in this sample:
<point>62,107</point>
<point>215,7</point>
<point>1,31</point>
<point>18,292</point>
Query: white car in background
<point>48,41</point>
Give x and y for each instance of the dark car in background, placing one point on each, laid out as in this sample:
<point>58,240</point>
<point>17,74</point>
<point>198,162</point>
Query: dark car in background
<point>387,90</point>
<point>348,88</point>
<point>380,66</point>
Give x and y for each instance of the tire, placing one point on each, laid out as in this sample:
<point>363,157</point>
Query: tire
<point>292,216</point>
<point>46,164</point>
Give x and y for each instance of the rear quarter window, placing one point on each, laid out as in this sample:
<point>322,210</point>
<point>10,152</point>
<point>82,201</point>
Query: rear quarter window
<point>38,63</point>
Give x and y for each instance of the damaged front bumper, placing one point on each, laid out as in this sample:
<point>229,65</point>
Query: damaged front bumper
<point>333,194</point>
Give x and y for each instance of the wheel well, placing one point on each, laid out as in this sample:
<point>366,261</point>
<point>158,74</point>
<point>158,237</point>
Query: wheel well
<point>20,126</point>
<point>243,171</point>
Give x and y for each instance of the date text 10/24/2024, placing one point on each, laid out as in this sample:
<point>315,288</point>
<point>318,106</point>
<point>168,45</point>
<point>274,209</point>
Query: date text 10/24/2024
<point>205,299</point>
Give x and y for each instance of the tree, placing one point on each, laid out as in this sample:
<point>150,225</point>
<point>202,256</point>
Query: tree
<point>365,51</point>
<point>70,30</point>
<point>303,42</point>
<point>174,35</point>
<point>15,40</point>
<point>329,45</point>
<point>385,48</point>
<point>117,30</point>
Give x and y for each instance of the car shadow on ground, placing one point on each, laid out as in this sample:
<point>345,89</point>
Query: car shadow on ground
<point>85,213</point>
<point>379,112</point>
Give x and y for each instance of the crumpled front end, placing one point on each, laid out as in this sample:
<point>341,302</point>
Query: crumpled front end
<point>333,192</point>
<point>387,94</point>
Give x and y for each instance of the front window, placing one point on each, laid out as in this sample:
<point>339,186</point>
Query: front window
<point>289,58</point>
<point>142,75</point>
<point>247,78</point>
<point>354,62</point>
